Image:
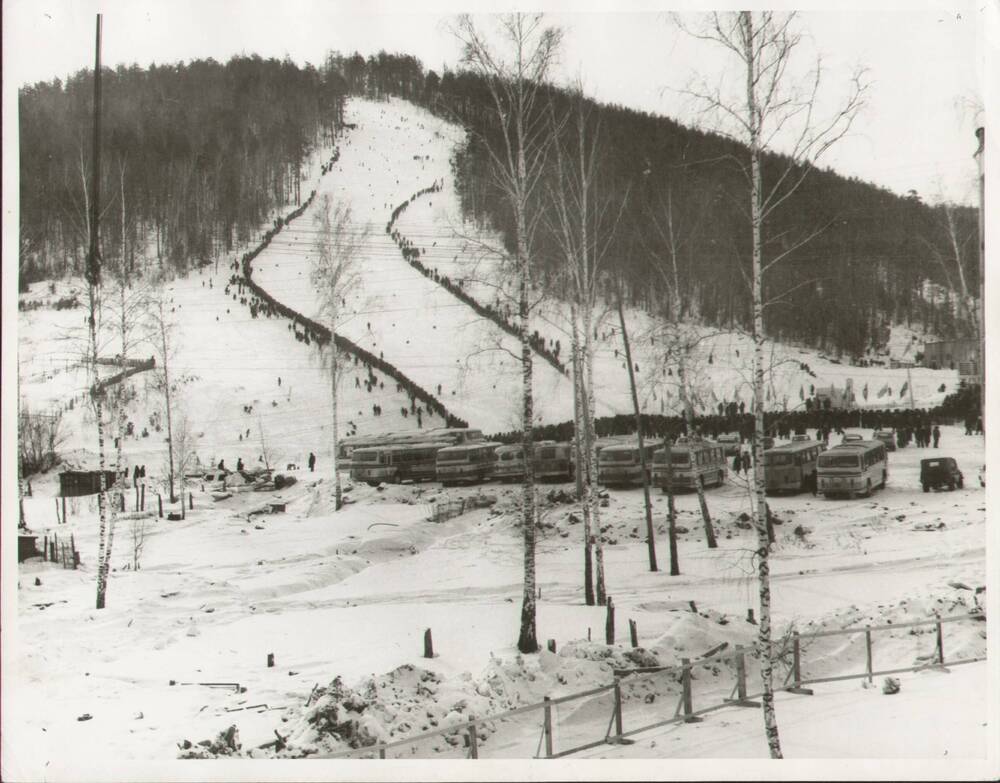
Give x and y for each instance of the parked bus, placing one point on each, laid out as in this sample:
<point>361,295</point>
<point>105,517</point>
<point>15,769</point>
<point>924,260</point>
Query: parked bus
<point>792,467</point>
<point>691,463</point>
<point>470,462</point>
<point>448,436</point>
<point>394,464</point>
<point>509,464</point>
<point>852,469</point>
<point>554,461</point>
<point>620,465</point>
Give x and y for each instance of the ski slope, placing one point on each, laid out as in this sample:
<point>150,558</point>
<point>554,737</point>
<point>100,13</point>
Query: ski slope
<point>434,338</point>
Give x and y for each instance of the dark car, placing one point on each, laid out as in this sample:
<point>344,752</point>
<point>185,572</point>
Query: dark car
<point>940,472</point>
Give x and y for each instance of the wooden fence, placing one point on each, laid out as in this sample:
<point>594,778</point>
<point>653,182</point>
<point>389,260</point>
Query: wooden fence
<point>63,552</point>
<point>685,711</point>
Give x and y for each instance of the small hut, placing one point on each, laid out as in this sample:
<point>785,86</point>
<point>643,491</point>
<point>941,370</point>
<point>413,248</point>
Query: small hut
<point>75,483</point>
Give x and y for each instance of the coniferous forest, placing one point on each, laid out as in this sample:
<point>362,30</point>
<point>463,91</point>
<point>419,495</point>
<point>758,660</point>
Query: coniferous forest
<point>195,157</point>
<point>198,155</point>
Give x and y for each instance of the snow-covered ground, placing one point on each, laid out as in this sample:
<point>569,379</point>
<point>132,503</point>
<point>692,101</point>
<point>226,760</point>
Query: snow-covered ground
<point>349,594</point>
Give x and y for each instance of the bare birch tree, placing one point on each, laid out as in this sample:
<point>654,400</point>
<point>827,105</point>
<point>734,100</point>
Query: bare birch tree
<point>162,328</point>
<point>772,108</point>
<point>582,231</point>
<point>514,71</point>
<point>953,259</point>
<point>183,454</point>
<point>127,305</point>
<point>679,339</point>
<point>334,276</point>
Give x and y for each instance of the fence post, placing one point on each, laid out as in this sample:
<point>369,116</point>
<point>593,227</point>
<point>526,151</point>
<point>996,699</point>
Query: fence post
<point>633,632</point>
<point>547,728</point>
<point>72,549</point>
<point>159,500</point>
<point>64,508</point>
<point>142,498</point>
<point>57,511</point>
<point>741,699</point>
<point>797,668</point>
<point>868,652</point>
<point>45,549</point>
<point>688,701</point>
<point>609,623</point>
<point>473,742</point>
<point>940,645</point>
<point>190,501</point>
<point>618,709</point>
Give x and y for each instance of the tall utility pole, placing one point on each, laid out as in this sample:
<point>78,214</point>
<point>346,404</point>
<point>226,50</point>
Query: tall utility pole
<point>979,155</point>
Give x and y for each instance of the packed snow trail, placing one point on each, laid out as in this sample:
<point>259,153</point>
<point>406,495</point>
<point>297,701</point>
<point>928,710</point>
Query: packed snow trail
<point>321,333</point>
<point>397,313</point>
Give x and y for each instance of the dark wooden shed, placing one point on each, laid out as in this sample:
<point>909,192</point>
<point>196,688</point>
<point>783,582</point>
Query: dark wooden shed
<point>74,483</point>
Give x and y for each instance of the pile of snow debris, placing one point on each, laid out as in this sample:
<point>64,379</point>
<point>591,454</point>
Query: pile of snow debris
<point>411,700</point>
<point>906,646</point>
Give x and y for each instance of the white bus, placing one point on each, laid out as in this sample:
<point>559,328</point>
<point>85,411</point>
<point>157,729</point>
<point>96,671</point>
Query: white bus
<point>691,463</point>
<point>621,465</point>
<point>852,469</point>
<point>471,462</point>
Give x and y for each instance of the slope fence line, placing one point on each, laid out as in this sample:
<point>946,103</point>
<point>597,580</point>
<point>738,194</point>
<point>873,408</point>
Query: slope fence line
<point>132,367</point>
<point>314,331</point>
<point>411,254</point>
<point>685,711</point>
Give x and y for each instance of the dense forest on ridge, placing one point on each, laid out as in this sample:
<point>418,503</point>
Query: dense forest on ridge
<point>200,154</point>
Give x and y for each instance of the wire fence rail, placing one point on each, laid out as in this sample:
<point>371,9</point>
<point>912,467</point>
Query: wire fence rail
<point>685,711</point>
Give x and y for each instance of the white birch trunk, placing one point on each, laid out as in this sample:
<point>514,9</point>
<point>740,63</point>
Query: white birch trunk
<point>760,500</point>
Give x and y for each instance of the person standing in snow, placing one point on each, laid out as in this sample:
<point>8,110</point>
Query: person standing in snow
<point>312,462</point>
<point>937,435</point>
<point>737,464</point>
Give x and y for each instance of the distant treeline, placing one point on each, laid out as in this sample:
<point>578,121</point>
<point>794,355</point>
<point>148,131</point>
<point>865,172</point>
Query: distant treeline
<point>197,155</point>
<point>838,292</point>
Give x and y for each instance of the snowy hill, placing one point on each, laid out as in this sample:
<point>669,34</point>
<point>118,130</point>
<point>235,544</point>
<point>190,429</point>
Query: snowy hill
<point>349,594</point>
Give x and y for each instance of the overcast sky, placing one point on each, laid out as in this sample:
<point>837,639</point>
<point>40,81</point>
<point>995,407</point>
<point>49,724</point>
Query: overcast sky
<point>924,64</point>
